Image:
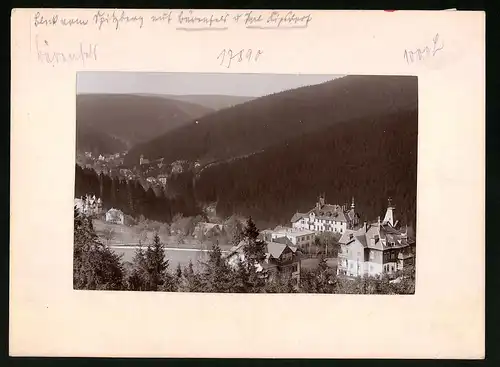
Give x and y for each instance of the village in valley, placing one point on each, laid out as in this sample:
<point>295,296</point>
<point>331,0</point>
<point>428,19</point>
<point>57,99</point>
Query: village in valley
<point>151,173</point>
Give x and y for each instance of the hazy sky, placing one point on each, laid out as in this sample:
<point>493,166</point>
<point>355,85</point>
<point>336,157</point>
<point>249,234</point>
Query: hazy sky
<point>252,85</point>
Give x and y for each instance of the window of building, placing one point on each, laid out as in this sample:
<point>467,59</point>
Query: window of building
<point>393,255</point>
<point>372,255</point>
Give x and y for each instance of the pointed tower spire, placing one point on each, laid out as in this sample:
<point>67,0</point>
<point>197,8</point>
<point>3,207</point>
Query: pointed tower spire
<point>389,214</point>
<point>352,203</point>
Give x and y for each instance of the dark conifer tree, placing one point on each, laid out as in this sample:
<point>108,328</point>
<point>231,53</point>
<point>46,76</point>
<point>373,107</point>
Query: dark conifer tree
<point>217,275</point>
<point>156,264</point>
<point>95,266</point>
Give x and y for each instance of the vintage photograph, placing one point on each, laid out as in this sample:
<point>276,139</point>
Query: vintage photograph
<point>245,183</point>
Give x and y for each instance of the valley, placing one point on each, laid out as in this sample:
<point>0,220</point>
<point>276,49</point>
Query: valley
<point>270,156</point>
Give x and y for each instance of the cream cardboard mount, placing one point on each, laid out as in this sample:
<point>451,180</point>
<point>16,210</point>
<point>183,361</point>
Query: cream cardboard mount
<point>445,317</point>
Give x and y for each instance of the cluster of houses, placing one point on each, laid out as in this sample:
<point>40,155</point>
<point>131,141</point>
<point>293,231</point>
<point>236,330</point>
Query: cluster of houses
<point>92,206</point>
<point>375,248</point>
<point>151,173</point>
<point>107,163</point>
<point>89,205</point>
<point>369,248</point>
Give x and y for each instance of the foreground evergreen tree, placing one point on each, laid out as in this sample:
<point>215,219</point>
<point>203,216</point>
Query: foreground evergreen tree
<point>406,284</point>
<point>319,280</point>
<point>150,269</point>
<point>170,283</point>
<point>156,264</point>
<point>191,280</point>
<point>280,283</point>
<point>255,254</point>
<point>234,229</point>
<point>95,266</point>
<point>217,276</point>
<point>242,283</point>
<point>137,279</point>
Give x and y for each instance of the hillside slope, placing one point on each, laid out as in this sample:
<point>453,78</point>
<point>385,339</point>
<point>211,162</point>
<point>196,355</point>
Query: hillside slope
<point>370,159</point>
<point>107,121</point>
<point>270,120</point>
<point>212,101</point>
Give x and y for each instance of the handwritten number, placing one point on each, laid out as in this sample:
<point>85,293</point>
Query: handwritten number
<point>259,52</point>
<point>223,54</point>
<point>436,39</point>
<point>420,54</point>
<point>227,57</point>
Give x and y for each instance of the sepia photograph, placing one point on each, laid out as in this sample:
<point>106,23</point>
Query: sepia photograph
<point>245,183</point>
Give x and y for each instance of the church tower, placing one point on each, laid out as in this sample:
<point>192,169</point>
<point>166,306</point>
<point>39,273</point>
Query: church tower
<point>322,200</point>
<point>389,214</point>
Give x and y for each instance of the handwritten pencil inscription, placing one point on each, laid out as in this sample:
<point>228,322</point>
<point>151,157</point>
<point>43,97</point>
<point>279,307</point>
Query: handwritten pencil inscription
<point>189,20</point>
<point>117,19</point>
<point>54,20</point>
<point>181,19</point>
<point>47,55</point>
<point>419,54</point>
<point>228,56</point>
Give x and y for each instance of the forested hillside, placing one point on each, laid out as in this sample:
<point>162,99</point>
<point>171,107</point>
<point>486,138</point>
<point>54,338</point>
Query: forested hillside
<point>128,119</point>
<point>353,136</point>
<point>270,120</point>
<point>90,140</point>
<point>370,158</point>
<point>133,199</point>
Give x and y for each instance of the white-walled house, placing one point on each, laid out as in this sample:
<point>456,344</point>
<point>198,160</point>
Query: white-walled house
<point>115,216</point>
<point>376,248</point>
<point>299,237</point>
<point>327,217</point>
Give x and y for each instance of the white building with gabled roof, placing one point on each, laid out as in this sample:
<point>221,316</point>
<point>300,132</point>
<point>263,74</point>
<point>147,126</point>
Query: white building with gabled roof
<point>327,217</point>
<point>376,248</point>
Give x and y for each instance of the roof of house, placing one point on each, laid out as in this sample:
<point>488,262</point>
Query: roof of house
<point>329,212</point>
<point>208,226</point>
<point>297,216</point>
<point>333,212</point>
<point>113,210</point>
<point>235,249</point>
<point>286,231</point>
<point>284,240</point>
<point>275,249</point>
<point>377,236</point>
